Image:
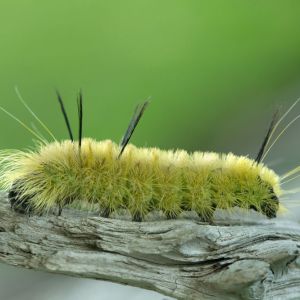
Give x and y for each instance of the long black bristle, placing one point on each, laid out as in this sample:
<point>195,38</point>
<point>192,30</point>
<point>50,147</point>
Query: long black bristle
<point>139,110</point>
<point>267,137</point>
<point>65,115</point>
<point>80,117</point>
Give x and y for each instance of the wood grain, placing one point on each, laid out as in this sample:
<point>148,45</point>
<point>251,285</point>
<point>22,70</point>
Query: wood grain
<point>184,259</point>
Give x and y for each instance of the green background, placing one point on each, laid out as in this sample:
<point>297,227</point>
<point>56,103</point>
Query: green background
<point>215,70</point>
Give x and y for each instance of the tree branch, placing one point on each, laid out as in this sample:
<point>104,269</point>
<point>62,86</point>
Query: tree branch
<point>184,259</point>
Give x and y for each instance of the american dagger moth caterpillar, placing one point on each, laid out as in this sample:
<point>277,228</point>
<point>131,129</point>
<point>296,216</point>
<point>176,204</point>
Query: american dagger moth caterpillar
<point>107,176</point>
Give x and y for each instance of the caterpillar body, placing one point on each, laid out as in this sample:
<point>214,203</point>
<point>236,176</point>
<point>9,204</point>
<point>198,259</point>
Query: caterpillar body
<point>107,177</point>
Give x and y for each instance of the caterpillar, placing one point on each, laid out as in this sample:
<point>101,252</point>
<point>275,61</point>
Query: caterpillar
<point>105,176</point>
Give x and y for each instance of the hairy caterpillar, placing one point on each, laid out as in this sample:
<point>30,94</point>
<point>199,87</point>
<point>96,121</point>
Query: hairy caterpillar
<point>105,176</point>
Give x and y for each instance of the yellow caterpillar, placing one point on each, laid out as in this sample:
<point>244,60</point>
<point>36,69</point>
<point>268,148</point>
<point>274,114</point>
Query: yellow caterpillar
<point>106,177</point>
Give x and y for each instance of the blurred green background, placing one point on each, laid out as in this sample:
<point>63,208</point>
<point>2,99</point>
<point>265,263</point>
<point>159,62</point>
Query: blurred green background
<point>215,70</point>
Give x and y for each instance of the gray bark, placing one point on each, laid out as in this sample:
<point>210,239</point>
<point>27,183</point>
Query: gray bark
<point>184,259</point>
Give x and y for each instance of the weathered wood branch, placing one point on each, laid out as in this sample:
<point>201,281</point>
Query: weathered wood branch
<point>184,259</point>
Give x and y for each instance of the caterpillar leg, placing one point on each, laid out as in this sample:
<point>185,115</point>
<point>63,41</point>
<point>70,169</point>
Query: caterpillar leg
<point>62,204</point>
<point>170,215</point>
<point>137,217</point>
<point>270,209</point>
<point>105,212</point>
<point>208,214</point>
<point>18,203</point>
<point>60,208</point>
<point>270,206</point>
